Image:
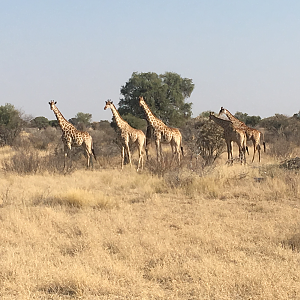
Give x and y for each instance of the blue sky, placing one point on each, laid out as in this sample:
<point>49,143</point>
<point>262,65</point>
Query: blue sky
<point>243,55</point>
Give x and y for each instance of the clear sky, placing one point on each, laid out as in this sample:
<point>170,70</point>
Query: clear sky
<point>241,54</point>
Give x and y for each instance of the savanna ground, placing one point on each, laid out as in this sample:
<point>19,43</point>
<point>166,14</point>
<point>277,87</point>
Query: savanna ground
<point>229,232</point>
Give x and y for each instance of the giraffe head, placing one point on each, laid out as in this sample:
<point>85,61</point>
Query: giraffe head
<point>108,104</point>
<point>211,114</point>
<point>52,104</point>
<point>222,111</point>
<point>141,100</point>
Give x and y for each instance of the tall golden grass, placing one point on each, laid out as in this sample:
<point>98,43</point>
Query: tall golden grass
<point>232,233</point>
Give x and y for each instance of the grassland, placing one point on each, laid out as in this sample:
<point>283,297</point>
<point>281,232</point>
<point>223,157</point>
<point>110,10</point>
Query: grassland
<point>111,234</point>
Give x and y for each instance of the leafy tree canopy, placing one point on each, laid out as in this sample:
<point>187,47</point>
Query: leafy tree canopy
<point>275,123</point>
<point>135,122</point>
<point>40,122</point>
<point>73,121</point>
<point>251,121</point>
<point>53,123</point>
<point>81,120</point>
<point>8,115</point>
<point>165,94</point>
<point>84,118</point>
<point>10,123</point>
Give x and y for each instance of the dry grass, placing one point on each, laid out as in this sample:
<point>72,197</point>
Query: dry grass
<point>107,234</point>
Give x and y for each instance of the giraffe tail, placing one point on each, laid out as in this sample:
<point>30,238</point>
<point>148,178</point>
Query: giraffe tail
<point>93,151</point>
<point>182,150</point>
<point>264,144</point>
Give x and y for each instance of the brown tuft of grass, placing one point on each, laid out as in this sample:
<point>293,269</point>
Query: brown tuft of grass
<point>80,198</point>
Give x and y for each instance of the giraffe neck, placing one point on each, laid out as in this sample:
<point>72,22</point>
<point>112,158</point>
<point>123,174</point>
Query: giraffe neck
<point>232,118</point>
<point>221,122</point>
<point>120,122</point>
<point>63,123</point>
<point>150,117</point>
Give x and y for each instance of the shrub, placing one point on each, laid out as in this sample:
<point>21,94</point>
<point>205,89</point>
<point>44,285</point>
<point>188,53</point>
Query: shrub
<point>26,161</point>
<point>10,123</point>
<point>203,139</point>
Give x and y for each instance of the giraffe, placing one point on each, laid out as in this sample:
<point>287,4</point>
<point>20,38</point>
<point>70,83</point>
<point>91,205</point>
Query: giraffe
<point>72,137</point>
<point>128,135</point>
<point>160,130</point>
<point>232,134</point>
<point>251,133</point>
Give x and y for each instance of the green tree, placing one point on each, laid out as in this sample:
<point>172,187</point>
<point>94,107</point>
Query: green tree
<point>40,122</point>
<point>165,94</point>
<point>81,120</point>
<point>135,122</point>
<point>84,118</point>
<point>10,123</point>
<point>53,123</point>
<point>251,121</point>
<point>241,116</point>
<point>275,123</point>
<point>73,121</point>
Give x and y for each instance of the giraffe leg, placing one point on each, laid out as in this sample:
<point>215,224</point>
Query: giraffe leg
<point>123,156</point>
<point>142,145</point>
<point>242,152</point>
<point>88,147</point>
<point>158,150</point>
<point>140,162</point>
<point>243,155</point>
<point>178,151</point>
<point>173,150</point>
<point>91,162</point>
<point>258,150</point>
<point>88,158</point>
<point>229,151</point>
<point>254,150</point>
<point>147,153</point>
<point>178,154</point>
<point>161,153</point>
<point>128,153</point>
<point>148,140</point>
<point>93,151</point>
<point>67,156</point>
